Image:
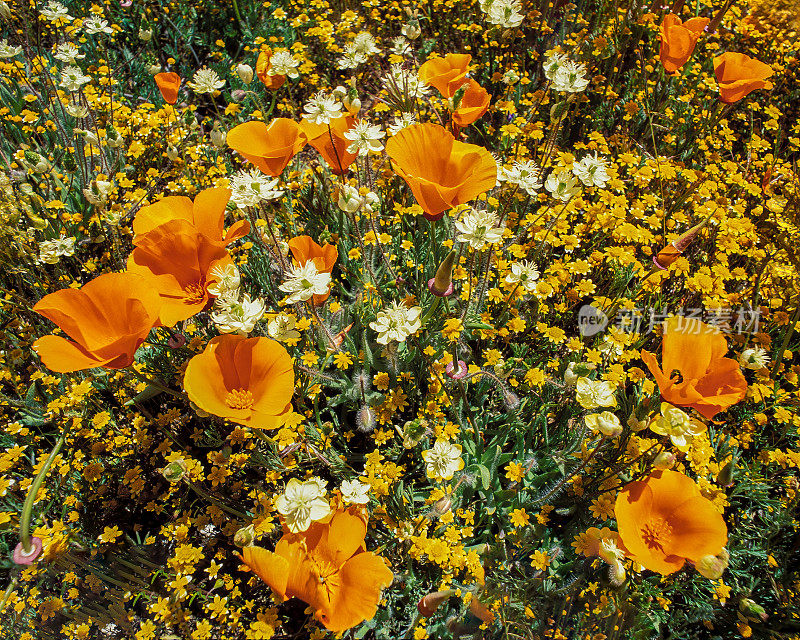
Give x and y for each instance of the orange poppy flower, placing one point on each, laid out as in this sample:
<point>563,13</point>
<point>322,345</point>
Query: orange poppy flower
<point>269,147</point>
<point>335,154</point>
<point>206,214</point>
<point>472,106</point>
<point>262,67</point>
<point>678,40</point>
<point>446,74</point>
<point>107,319</point>
<point>693,371</point>
<point>324,257</point>
<point>328,568</point>
<point>440,171</point>
<point>664,521</point>
<point>177,261</point>
<point>168,83</point>
<point>249,381</point>
<point>738,75</point>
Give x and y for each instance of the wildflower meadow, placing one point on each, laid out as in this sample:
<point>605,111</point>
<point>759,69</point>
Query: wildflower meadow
<point>396,320</point>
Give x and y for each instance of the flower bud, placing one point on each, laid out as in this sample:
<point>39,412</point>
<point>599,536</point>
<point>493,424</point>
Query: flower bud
<point>752,609</point>
<point>245,73</point>
<point>154,69</point>
<point>726,476</point>
<point>442,283</point>
<point>442,506</point>
<point>245,536</point>
<point>430,603</point>
<point>664,460</point>
<point>5,10</point>
<point>218,136</point>
<point>175,471</point>
<point>35,161</point>
<point>669,254</point>
<point>712,567</point>
<point>238,95</point>
<point>365,419</point>
<point>411,30</point>
<point>145,35</point>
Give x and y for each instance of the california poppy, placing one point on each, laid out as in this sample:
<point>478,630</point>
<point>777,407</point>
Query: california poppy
<point>270,147</point>
<point>678,40</point>
<point>262,69</point>
<point>304,248</point>
<point>328,568</point>
<point>664,521</point>
<point>177,261</point>
<point>249,381</point>
<point>446,74</point>
<point>168,83</point>
<point>334,153</point>
<point>206,214</point>
<point>693,371</point>
<point>674,250</point>
<point>738,75</point>
<point>107,319</point>
<point>440,171</point>
<point>473,105</point>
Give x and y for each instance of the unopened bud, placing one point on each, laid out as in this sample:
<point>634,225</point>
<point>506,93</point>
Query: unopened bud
<point>430,603</point>
<point>145,35</point>
<point>244,537</point>
<point>411,30</point>
<point>245,73</point>
<point>172,153</point>
<point>669,254</point>
<point>35,161</point>
<point>664,460</point>
<point>218,136</point>
<point>725,478</point>
<point>752,609</point>
<point>238,95</point>
<point>365,419</point>
<point>175,471</point>
<point>5,10</point>
<point>442,283</point>
<point>154,69</point>
<point>712,567</point>
<point>442,506</point>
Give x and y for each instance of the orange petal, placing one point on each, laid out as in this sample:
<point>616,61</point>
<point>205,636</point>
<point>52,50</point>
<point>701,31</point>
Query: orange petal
<point>697,530</point>
<point>162,211</point>
<point>270,567</point>
<point>62,356</point>
<point>209,212</point>
<point>341,538</point>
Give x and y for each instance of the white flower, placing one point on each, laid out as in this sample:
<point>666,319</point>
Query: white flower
<point>678,425</point>
<point>227,281</point>
<point>351,200</point>
<point>50,251</point>
<point>526,175</point>
<point>305,281</point>
<point>95,25</point>
<point>400,46</point>
<point>553,63</point>
<point>55,11</point>
<point>479,227</point>
<point>283,63</point>
<point>570,78</point>
<point>591,170</point>
<point>282,328</point>
<point>322,108</point>
<point>355,492</point>
<point>562,186</point>
<point>754,358</point>
<point>506,13</point>
<point>524,274</point>
<point>404,81</point>
<point>238,316</point>
<point>405,120</point>
<point>365,43</point>
<point>302,503</point>
<point>352,58</point>
<point>76,110</point>
<point>396,322</point>
<point>248,188</point>
<point>593,394</point>
<point>7,51</point>
<point>72,78</point>
<point>99,190</point>
<point>206,80</point>
<point>364,137</point>
<point>606,423</point>
<point>68,53</point>
<point>443,460</point>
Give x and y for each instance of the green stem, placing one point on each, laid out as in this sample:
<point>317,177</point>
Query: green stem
<point>27,508</point>
<point>785,343</point>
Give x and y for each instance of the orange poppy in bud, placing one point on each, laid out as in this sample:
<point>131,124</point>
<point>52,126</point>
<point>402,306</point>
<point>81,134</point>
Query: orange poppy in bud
<point>107,319</point>
<point>446,74</point>
<point>303,249</point>
<point>678,40</point>
<point>738,75</point>
<point>664,521</point>
<point>262,67</point>
<point>206,214</point>
<point>335,154</point>
<point>178,262</point>
<point>473,105</point>
<point>674,250</point>
<point>440,171</point>
<point>328,568</point>
<point>693,371</point>
<point>168,84</point>
<point>249,381</point>
<point>270,147</point>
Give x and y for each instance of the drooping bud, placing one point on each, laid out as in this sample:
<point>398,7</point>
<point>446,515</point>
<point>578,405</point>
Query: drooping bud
<point>752,609</point>
<point>238,95</point>
<point>365,419</point>
<point>442,283</point>
<point>725,478</point>
<point>245,73</point>
<point>154,69</point>
<point>175,471</point>
<point>479,610</point>
<point>244,537</point>
<point>664,460</point>
<point>172,153</point>
<point>145,35</point>
<point>442,506</point>
<point>219,136</point>
<point>712,567</point>
<point>430,603</point>
<point>669,254</point>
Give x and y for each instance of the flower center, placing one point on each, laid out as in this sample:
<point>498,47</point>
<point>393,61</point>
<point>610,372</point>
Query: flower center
<point>656,532</point>
<point>194,293</point>
<point>239,399</point>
